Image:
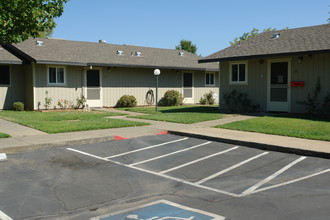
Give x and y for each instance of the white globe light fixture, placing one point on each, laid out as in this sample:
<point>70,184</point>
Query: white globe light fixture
<point>156,73</point>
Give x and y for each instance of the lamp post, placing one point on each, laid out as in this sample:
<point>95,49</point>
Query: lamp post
<point>156,73</point>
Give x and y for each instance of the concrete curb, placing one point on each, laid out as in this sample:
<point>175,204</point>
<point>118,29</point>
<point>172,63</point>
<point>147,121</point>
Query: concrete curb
<point>256,145</point>
<point>31,147</point>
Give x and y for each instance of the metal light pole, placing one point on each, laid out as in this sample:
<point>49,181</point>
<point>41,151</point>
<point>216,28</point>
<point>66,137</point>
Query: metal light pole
<point>156,73</point>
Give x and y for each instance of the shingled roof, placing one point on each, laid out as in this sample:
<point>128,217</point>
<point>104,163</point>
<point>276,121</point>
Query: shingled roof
<point>64,52</point>
<point>314,39</point>
<point>8,58</point>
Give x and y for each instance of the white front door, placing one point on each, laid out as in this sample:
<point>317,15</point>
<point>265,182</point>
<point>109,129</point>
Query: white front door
<point>93,88</point>
<point>188,92</point>
<point>279,85</point>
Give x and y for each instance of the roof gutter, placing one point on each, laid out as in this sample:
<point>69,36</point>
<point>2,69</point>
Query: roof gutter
<point>151,66</point>
<point>261,56</point>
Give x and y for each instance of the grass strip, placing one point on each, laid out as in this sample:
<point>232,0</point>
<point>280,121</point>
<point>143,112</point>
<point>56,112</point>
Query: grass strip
<point>179,114</point>
<point>303,127</point>
<point>67,121</point>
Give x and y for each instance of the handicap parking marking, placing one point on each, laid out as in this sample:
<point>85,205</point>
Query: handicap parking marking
<point>3,216</point>
<point>161,210</point>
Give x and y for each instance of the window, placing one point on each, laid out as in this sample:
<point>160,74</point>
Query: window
<point>209,79</point>
<point>4,75</point>
<point>56,75</point>
<point>238,73</point>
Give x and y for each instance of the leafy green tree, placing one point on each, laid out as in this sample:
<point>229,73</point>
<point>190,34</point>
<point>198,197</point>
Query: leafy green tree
<point>248,35</point>
<point>21,19</point>
<point>187,45</point>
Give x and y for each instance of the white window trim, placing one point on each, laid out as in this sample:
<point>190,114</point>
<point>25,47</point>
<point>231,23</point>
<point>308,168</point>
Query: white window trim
<point>10,78</point>
<point>246,73</point>
<point>56,84</point>
<point>210,85</point>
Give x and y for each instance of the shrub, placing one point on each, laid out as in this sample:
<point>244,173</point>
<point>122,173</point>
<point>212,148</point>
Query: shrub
<point>80,102</point>
<point>18,106</point>
<point>171,98</point>
<point>312,104</point>
<point>208,98</point>
<point>126,101</point>
<point>239,102</point>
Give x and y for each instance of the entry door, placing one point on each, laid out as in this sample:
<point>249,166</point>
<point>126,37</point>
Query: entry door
<point>188,88</point>
<point>93,85</point>
<point>278,87</point>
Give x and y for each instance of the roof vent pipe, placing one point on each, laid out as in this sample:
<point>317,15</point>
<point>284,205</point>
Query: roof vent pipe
<point>276,35</point>
<point>181,54</point>
<point>39,43</point>
<point>102,41</point>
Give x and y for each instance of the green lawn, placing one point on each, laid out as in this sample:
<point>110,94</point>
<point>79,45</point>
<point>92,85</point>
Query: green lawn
<point>58,122</point>
<point>2,135</point>
<point>309,128</point>
<point>179,114</point>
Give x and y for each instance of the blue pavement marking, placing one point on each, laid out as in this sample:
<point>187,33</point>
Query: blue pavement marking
<point>161,210</point>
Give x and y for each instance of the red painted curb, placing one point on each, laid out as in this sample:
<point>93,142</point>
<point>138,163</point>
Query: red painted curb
<point>162,132</point>
<point>117,138</point>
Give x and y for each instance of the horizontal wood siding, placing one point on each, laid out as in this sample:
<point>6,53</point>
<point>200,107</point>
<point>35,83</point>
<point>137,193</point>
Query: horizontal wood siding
<point>15,91</point>
<point>70,91</point>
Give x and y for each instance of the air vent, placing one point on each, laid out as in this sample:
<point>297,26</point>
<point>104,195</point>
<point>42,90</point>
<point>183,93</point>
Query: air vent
<point>181,54</point>
<point>120,52</point>
<point>276,35</point>
<point>102,41</point>
<point>39,43</point>
<point>138,54</point>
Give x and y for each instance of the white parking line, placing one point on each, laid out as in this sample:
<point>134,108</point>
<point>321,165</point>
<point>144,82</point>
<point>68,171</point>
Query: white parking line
<point>230,168</point>
<point>200,159</point>
<point>264,181</point>
<point>146,148</point>
<point>169,154</point>
<point>288,182</point>
<point>155,173</point>
<point>3,216</point>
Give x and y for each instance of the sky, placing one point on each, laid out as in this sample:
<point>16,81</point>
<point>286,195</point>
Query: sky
<point>210,24</point>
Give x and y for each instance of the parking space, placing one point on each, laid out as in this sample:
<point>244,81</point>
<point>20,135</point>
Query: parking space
<point>134,178</point>
<point>232,170</point>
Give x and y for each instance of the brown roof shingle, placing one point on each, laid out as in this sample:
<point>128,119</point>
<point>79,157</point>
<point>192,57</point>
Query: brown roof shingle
<point>8,58</point>
<point>290,41</point>
<point>57,51</point>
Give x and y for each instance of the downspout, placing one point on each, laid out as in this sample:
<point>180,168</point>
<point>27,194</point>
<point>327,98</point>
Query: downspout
<point>219,99</point>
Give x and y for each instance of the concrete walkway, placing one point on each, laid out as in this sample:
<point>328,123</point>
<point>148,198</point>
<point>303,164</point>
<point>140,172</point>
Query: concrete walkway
<point>24,139</point>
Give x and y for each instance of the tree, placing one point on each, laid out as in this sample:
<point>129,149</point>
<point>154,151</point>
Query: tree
<point>248,35</point>
<point>21,19</point>
<point>187,45</point>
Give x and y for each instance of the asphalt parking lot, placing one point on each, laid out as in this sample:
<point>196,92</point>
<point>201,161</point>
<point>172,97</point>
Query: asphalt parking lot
<point>234,182</point>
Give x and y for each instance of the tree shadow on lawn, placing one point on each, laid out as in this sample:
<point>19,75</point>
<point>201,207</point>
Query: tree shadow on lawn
<point>196,109</point>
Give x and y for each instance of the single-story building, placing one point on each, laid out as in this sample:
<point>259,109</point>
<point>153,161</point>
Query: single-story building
<point>277,68</point>
<point>59,69</point>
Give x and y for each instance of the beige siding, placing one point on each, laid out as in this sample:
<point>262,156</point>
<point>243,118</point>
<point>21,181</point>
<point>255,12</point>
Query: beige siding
<point>307,71</point>
<point>15,91</point>
<point>117,82</point>
<point>127,81</point>
<point>70,91</point>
